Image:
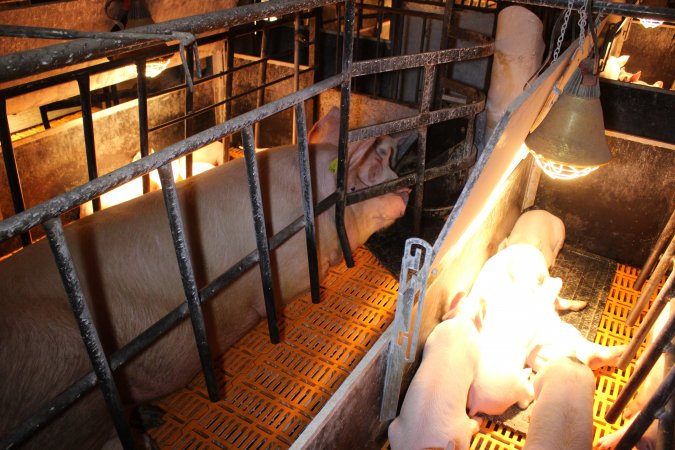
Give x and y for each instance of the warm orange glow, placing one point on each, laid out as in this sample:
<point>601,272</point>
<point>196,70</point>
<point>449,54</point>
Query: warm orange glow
<point>560,171</point>
<point>152,68</point>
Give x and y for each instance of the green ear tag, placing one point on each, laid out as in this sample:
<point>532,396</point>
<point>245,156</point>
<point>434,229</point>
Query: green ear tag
<point>333,165</point>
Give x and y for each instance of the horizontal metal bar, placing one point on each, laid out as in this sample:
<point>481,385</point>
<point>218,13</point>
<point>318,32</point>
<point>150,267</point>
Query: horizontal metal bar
<point>414,122</point>
<point>58,205</point>
<point>31,62</point>
<point>215,105</point>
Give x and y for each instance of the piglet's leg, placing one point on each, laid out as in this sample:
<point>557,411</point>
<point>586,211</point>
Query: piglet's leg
<point>565,304</point>
<point>596,355</point>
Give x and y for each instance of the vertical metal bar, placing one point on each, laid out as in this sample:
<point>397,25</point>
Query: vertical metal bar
<point>260,233</point>
<point>645,417</point>
<point>92,342</point>
<point>228,90</point>
<point>296,68</point>
<point>188,279</point>
<point>88,125</point>
<point>651,354</point>
<point>651,284</point>
<point>665,235</point>
<point>45,117</point>
<point>142,91</point>
<point>262,80</point>
<point>445,34</point>
<point>345,91</point>
<point>189,109</point>
<point>338,33</point>
<point>425,105</point>
<point>378,42</point>
<point>307,201</point>
<point>10,166</point>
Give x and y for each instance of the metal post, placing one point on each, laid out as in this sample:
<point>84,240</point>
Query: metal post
<point>142,90</point>
<point>188,278</point>
<point>307,201</point>
<point>88,125</point>
<point>189,109</point>
<point>228,92</point>
<point>665,235</point>
<point>296,69</point>
<point>92,342</point>
<point>647,361</point>
<point>10,166</point>
<point>260,233</point>
<point>345,91</point>
<point>262,80</point>
<point>651,284</point>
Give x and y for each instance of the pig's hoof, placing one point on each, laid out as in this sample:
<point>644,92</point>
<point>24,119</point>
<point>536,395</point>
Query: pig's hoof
<point>146,417</point>
<point>606,356</point>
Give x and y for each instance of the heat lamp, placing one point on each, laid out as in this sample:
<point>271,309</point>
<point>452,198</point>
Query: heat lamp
<point>570,141</point>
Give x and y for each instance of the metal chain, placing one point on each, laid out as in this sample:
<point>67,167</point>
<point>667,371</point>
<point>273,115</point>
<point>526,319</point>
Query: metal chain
<point>582,24</point>
<point>563,28</point>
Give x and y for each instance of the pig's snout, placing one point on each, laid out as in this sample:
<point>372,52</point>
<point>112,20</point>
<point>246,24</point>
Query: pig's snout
<point>404,195</point>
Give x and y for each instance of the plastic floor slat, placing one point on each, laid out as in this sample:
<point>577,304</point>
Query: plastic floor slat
<point>272,392</point>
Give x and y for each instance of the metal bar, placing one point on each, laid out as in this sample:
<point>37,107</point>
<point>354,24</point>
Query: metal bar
<point>142,91</point>
<point>659,303</point>
<point>10,167</point>
<point>665,235</point>
<point>651,284</point>
<point>345,92</point>
<point>398,63</point>
<point>307,201</point>
<point>150,335</point>
<point>445,33</point>
<point>35,61</point>
<point>189,110</point>
<point>45,117</point>
<point>262,80</point>
<point>645,417</point>
<point>410,123</point>
<point>90,338</point>
<point>188,278</point>
<point>224,102</point>
<point>647,361</point>
<point>55,206</point>
<point>296,70</point>
<point>228,91</point>
<point>260,233</point>
<point>425,105</point>
<point>88,130</point>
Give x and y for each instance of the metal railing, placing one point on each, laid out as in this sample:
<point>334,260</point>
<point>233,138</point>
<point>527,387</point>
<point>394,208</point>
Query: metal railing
<point>48,213</point>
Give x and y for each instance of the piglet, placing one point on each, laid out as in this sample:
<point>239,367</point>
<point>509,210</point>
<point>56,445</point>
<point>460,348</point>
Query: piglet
<point>129,274</point>
<point>562,415</point>
<point>546,232</point>
<point>433,414</point>
<point>507,332</point>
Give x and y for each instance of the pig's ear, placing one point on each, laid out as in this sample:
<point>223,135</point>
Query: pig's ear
<point>356,151</point>
<point>622,60</point>
<point>327,129</point>
<point>635,77</point>
<point>452,309</point>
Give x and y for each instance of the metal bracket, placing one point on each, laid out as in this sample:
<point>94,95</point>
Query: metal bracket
<point>403,344</point>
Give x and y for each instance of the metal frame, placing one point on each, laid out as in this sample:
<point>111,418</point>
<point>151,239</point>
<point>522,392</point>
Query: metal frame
<point>48,212</point>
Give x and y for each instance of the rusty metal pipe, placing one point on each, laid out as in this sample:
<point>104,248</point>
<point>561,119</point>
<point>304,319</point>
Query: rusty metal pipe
<point>651,284</point>
<point>666,234</point>
<point>659,303</point>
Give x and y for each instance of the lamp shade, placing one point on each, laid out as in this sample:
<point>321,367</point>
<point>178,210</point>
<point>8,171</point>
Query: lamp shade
<point>572,134</point>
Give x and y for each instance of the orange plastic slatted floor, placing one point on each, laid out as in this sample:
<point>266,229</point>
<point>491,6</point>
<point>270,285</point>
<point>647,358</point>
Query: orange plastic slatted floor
<point>271,392</point>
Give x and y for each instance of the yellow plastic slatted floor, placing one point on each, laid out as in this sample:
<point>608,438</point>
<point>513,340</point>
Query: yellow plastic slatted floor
<point>271,392</point>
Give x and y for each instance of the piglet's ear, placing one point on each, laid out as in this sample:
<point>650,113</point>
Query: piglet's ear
<point>357,151</point>
<point>327,129</point>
